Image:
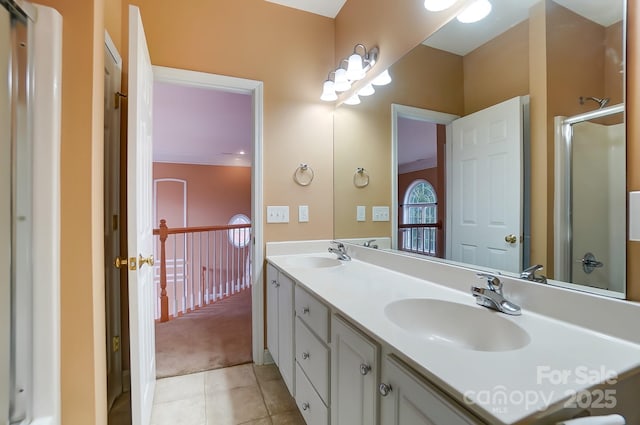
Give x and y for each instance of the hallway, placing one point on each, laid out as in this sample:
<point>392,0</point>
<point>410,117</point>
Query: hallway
<point>215,336</point>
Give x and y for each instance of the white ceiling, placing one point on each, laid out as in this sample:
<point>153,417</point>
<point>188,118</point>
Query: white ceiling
<point>193,125</point>
<point>459,38</point>
<point>328,8</point>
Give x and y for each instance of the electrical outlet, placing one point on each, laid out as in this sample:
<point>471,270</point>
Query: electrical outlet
<point>277,214</point>
<point>361,213</point>
<point>303,213</point>
<point>380,213</point>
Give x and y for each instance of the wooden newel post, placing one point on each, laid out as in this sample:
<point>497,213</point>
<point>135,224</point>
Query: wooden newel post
<point>164,300</point>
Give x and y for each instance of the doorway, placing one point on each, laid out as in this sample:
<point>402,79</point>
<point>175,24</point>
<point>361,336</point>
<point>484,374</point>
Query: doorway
<point>213,306</point>
<point>112,218</point>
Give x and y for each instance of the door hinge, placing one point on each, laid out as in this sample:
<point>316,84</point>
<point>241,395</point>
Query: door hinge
<point>115,344</point>
<point>116,99</point>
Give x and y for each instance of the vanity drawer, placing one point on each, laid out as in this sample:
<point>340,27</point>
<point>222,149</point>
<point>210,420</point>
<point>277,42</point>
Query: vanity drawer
<point>313,313</point>
<point>313,357</point>
<point>313,410</point>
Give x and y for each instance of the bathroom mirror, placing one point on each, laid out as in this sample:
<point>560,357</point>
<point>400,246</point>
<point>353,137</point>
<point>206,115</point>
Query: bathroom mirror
<point>567,56</point>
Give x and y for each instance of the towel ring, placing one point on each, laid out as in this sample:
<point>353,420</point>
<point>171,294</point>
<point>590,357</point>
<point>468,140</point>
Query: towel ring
<point>360,177</point>
<point>303,175</point>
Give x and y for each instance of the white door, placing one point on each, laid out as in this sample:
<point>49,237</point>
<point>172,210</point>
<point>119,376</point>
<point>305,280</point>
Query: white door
<point>140,227</point>
<point>407,399</point>
<point>272,312</point>
<point>285,330</point>
<point>486,187</point>
<point>354,376</point>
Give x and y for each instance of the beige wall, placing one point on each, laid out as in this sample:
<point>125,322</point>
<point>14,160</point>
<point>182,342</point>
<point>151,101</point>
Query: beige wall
<point>83,363</point>
<point>291,52</point>
<point>214,193</point>
<point>497,70</point>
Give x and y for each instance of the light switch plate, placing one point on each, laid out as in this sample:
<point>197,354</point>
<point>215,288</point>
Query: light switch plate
<point>380,213</point>
<point>634,216</point>
<point>361,213</point>
<point>303,213</point>
<point>277,214</point>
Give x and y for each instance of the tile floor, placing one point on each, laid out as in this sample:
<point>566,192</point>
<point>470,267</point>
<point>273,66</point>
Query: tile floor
<point>245,394</point>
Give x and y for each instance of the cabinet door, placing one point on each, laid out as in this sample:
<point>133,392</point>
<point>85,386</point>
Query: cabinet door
<point>410,400</point>
<point>354,376</point>
<point>272,311</point>
<point>285,330</point>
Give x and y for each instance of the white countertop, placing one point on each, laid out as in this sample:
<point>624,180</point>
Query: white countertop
<point>529,377</point>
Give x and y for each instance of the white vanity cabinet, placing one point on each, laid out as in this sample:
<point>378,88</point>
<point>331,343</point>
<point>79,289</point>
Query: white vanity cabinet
<point>354,375</point>
<point>280,323</point>
<point>312,357</point>
<point>406,398</point>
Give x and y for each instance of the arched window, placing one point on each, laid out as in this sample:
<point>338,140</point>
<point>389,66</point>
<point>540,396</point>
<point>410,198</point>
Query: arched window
<point>420,207</point>
<point>239,237</point>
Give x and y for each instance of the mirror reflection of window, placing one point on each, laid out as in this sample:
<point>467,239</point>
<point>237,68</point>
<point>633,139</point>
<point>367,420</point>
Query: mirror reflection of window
<point>420,207</point>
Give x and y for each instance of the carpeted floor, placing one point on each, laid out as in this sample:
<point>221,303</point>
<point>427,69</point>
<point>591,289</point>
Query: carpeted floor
<point>215,336</point>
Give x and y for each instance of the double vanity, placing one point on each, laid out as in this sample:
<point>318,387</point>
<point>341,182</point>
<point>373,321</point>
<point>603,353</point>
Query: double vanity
<point>377,337</point>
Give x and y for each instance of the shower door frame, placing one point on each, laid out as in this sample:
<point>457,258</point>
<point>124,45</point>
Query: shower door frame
<point>563,235</point>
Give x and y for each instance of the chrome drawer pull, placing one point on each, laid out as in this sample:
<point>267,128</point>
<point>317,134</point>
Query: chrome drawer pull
<point>275,283</point>
<point>364,369</point>
<point>305,310</point>
<point>305,356</point>
<point>305,406</point>
<point>384,389</point>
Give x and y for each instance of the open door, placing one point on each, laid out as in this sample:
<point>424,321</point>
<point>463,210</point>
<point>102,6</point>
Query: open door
<point>486,227</point>
<point>140,225</point>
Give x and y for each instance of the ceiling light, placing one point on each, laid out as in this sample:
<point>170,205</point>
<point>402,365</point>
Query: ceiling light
<point>367,90</point>
<point>382,79</point>
<point>353,100</point>
<point>438,5</point>
<point>329,92</point>
<point>475,11</point>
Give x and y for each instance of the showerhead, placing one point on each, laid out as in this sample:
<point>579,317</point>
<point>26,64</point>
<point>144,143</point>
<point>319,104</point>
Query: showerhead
<point>601,102</point>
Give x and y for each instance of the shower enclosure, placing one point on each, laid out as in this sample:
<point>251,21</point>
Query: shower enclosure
<point>30,69</point>
<point>590,203</point>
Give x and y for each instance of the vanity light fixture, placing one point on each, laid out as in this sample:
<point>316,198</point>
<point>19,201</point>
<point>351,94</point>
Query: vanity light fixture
<point>438,5</point>
<point>353,100</point>
<point>359,65</point>
<point>382,79</point>
<point>329,91</point>
<point>476,11</point>
<point>367,90</point>
<point>341,82</point>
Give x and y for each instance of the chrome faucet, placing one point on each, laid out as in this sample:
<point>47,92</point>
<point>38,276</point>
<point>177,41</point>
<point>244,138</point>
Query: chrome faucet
<point>492,297</point>
<point>530,274</point>
<point>370,244</point>
<point>340,251</point>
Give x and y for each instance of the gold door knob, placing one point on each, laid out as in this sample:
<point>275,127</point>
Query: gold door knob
<point>511,239</point>
<point>142,260</point>
<point>131,262</point>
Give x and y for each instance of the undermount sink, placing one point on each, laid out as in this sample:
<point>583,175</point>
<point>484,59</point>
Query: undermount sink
<point>456,324</point>
<point>313,262</point>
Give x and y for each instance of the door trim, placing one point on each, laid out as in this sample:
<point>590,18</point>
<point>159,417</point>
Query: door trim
<point>255,88</point>
<point>402,111</point>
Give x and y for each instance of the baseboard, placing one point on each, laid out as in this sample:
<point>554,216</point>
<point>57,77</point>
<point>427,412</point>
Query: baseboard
<point>266,358</point>
<point>126,381</point>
